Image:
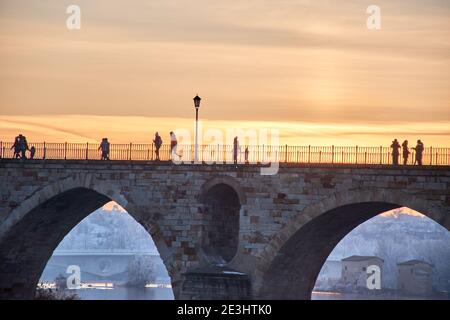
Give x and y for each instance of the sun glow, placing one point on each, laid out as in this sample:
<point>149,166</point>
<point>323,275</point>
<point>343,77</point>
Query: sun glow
<point>395,213</point>
<point>125,129</point>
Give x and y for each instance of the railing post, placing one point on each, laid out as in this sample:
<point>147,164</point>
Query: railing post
<point>44,156</point>
<point>87,150</point>
<point>309,154</point>
<point>320,156</point>
<point>381,154</point>
<point>332,154</point>
<point>263,154</point>
<point>65,150</point>
<point>129,151</point>
<point>1,149</point>
<point>431,156</point>
<point>216,155</point>
<point>286,154</point>
<point>365,157</point>
<point>356,156</point>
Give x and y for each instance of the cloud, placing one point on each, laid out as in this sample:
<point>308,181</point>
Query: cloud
<point>253,60</point>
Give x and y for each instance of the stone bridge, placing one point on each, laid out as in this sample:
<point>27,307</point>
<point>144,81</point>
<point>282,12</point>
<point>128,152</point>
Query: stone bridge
<point>223,231</point>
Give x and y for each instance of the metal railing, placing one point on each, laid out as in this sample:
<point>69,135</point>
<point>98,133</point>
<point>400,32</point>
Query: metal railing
<point>224,153</point>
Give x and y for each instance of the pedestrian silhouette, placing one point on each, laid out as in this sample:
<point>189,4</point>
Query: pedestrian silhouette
<point>22,147</point>
<point>419,152</point>
<point>246,155</point>
<point>235,149</point>
<point>173,145</point>
<point>16,147</point>
<point>158,143</point>
<point>32,152</point>
<point>104,147</point>
<point>395,152</point>
<point>406,152</point>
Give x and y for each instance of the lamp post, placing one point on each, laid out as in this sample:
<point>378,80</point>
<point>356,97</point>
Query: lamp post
<point>197,100</point>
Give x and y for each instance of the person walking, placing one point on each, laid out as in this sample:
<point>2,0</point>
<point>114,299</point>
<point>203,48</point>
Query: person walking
<point>173,145</point>
<point>419,152</point>
<point>23,146</point>
<point>158,143</point>
<point>395,152</point>
<point>104,147</point>
<point>235,149</point>
<point>16,147</point>
<point>246,152</point>
<point>406,152</point>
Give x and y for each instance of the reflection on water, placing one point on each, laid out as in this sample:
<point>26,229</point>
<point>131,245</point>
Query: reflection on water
<point>107,291</point>
<point>319,295</point>
<point>124,293</point>
<point>111,291</point>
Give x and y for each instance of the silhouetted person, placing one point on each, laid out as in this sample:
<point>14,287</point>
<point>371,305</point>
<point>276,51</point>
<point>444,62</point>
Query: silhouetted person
<point>395,152</point>
<point>235,149</point>
<point>32,152</point>
<point>405,152</point>
<point>104,146</point>
<point>16,147</point>
<point>246,155</point>
<point>173,144</point>
<point>158,143</point>
<point>23,146</point>
<point>419,152</point>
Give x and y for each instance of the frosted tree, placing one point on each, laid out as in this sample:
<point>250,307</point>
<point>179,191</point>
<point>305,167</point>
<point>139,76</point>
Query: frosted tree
<point>141,270</point>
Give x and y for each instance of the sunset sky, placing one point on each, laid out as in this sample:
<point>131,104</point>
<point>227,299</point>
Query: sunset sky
<point>312,69</point>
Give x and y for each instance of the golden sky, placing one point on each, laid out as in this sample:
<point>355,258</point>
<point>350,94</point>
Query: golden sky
<point>310,68</point>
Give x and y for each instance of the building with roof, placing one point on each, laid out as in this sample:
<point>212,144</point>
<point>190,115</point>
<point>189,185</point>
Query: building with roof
<point>354,270</point>
<point>415,277</point>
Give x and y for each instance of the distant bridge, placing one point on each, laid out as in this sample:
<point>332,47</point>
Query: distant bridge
<point>103,263</point>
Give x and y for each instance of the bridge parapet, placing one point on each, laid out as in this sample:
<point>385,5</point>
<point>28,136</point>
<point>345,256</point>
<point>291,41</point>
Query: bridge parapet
<point>224,153</point>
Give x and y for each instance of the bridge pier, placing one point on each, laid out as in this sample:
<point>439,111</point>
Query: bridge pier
<point>215,283</point>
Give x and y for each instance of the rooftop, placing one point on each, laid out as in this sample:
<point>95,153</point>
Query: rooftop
<point>362,258</point>
<point>413,262</point>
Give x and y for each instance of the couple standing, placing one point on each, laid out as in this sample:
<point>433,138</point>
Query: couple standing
<point>173,145</point>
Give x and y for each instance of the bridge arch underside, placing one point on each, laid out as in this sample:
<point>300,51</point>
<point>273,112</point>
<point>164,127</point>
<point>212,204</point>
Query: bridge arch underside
<point>293,272</point>
<point>28,245</point>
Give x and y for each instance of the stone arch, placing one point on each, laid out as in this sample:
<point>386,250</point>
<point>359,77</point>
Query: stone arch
<point>222,199</point>
<point>46,193</point>
<point>298,251</point>
<point>32,231</point>
<point>223,179</point>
